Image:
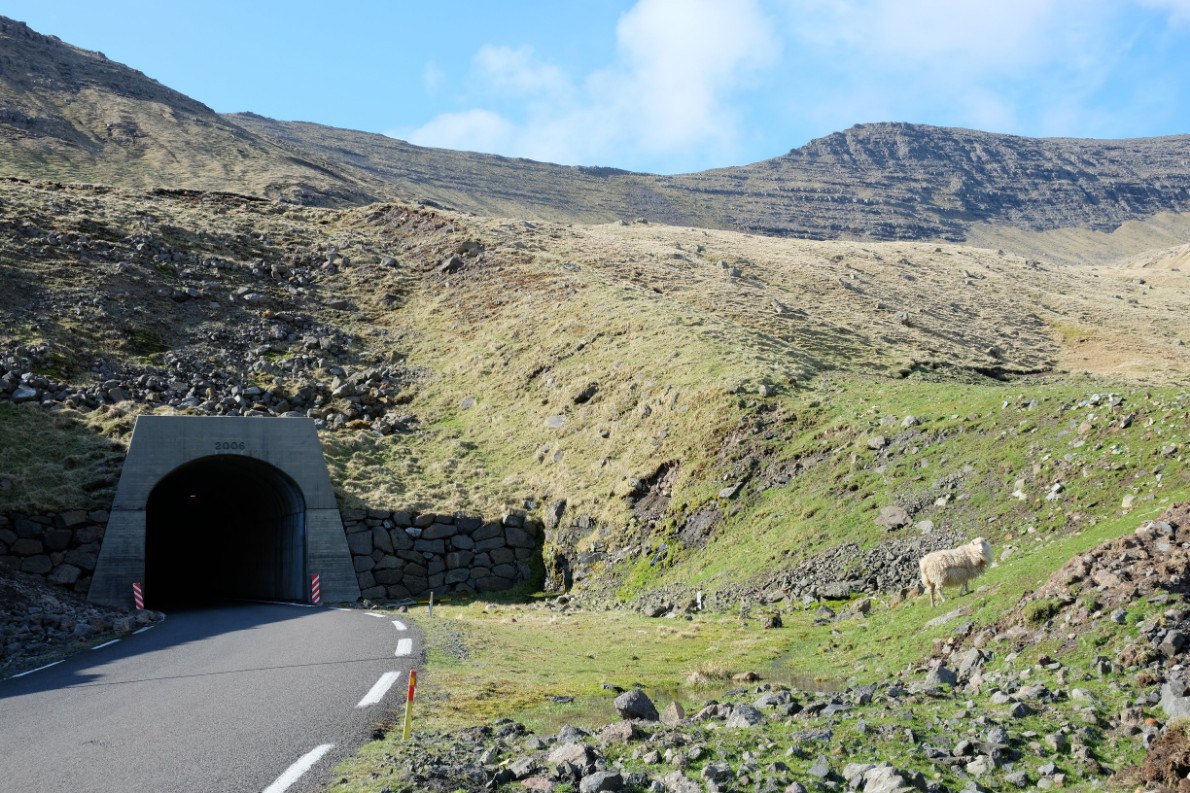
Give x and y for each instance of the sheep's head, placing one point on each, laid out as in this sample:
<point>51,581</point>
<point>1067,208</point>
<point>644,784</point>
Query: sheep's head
<point>985,550</point>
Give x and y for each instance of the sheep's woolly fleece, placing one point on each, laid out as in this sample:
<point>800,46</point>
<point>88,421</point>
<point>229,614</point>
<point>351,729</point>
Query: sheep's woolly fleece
<point>954,566</point>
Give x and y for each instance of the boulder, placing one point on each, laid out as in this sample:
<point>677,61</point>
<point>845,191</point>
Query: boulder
<point>578,754</point>
<point>635,704</point>
<point>940,675</point>
<point>893,517</point>
<point>24,394</point>
<point>601,781</point>
<point>1175,696</point>
<point>64,575</point>
<point>743,716</point>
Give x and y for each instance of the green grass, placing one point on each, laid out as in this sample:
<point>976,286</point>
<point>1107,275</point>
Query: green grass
<point>53,461</point>
<point>969,447</point>
<point>480,653</point>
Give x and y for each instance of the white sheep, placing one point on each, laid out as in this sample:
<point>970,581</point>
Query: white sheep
<point>954,566</point>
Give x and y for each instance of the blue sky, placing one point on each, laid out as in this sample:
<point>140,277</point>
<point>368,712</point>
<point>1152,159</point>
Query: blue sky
<point>663,86</point>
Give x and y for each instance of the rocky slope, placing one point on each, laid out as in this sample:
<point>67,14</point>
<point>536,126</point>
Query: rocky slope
<point>39,623</point>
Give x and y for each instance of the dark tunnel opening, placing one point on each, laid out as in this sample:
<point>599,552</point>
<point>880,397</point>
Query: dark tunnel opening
<point>224,528</point>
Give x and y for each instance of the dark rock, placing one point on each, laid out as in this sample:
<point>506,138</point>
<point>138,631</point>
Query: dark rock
<point>601,781</point>
<point>821,767</point>
<point>360,544</point>
<point>635,704</point>
<point>64,575</point>
<point>37,565</point>
<point>743,716</point>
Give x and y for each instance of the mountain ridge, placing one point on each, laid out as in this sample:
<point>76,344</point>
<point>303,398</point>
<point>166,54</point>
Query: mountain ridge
<point>70,114</point>
<point>67,114</point>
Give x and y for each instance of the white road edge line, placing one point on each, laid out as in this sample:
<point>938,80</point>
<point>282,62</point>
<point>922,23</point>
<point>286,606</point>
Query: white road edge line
<point>298,769</point>
<point>377,692</point>
<point>138,630</point>
<point>38,669</point>
<point>374,614</point>
<point>105,644</point>
<point>404,647</point>
<point>398,625</point>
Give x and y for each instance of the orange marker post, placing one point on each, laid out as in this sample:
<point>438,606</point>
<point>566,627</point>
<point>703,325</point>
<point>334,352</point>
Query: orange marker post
<point>409,703</point>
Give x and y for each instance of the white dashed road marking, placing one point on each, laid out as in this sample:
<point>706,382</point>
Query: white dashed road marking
<point>377,692</point>
<point>105,644</point>
<point>404,646</point>
<point>298,769</point>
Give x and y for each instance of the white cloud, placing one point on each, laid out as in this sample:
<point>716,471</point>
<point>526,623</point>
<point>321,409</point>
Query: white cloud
<point>676,93</point>
<point>472,130</point>
<point>988,38</point>
<point>682,59</point>
<point>668,90</point>
<point>1008,65</point>
<point>518,72</point>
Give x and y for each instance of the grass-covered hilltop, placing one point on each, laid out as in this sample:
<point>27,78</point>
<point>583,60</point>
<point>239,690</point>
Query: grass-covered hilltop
<point>742,403</point>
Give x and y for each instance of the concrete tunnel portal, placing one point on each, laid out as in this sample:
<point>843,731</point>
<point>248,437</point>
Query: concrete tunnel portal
<point>214,508</point>
<point>224,528</point>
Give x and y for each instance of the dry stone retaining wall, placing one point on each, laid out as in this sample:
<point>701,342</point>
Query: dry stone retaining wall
<point>62,547</point>
<point>406,555</point>
<point>396,555</point>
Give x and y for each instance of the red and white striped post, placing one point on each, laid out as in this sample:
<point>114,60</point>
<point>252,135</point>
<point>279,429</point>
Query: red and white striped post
<point>315,590</point>
<point>409,703</point>
<point>138,596</point>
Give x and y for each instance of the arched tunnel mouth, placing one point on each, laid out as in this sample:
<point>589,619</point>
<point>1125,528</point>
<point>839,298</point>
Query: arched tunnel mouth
<point>224,528</point>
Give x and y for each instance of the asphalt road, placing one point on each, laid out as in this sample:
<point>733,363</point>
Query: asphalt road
<point>234,699</point>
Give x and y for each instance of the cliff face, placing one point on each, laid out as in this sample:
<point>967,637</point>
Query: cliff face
<point>890,181</point>
<point>876,181</point>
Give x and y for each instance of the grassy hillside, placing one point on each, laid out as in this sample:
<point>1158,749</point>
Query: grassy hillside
<point>688,411</point>
<point>681,406</point>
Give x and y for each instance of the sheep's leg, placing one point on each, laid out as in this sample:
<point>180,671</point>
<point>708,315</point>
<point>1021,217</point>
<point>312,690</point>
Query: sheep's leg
<point>965,590</point>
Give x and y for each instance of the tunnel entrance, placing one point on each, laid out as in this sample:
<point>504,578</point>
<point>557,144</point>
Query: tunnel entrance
<point>224,527</point>
<point>223,506</point>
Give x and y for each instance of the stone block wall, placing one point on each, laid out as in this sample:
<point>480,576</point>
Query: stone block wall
<point>61,547</point>
<point>406,555</point>
<point>396,555</point>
